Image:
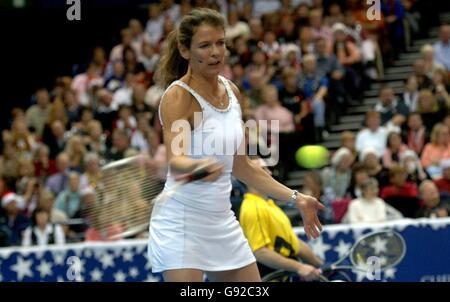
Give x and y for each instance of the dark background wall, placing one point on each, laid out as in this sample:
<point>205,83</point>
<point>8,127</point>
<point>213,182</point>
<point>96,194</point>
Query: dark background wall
<point>38,43</point>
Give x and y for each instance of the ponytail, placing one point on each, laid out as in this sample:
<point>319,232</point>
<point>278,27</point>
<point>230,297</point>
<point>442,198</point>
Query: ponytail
<point>171,65</point>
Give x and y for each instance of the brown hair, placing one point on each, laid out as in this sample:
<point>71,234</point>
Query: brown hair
<point>395,170</point>
<point>172,65</point>
<point>423,94</point>
<point>346,135</point>
<point>371,114</point>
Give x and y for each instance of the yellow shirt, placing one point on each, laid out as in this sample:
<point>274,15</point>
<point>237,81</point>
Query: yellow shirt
<point>266,225</point>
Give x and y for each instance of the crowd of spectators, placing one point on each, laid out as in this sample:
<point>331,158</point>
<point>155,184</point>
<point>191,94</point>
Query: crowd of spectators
<point>301,62</point>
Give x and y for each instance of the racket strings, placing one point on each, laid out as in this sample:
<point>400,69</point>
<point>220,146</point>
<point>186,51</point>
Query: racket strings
<point>124,196</point>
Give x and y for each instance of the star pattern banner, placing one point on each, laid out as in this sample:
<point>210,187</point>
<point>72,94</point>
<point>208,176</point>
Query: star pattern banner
<point>427,248</point>
<point>426,258</point>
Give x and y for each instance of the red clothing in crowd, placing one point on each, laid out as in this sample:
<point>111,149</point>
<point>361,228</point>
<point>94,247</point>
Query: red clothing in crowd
<point>408,190</point>
<point>443,185</point>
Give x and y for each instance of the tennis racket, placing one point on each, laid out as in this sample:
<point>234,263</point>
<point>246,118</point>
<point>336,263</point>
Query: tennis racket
<point>127,192</point>
<point>388,247</point>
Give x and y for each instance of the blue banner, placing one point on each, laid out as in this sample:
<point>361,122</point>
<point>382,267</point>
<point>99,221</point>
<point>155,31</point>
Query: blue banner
<point>427,256</point>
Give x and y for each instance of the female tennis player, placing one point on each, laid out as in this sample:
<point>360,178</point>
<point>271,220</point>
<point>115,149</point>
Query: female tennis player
<point>194,230</point>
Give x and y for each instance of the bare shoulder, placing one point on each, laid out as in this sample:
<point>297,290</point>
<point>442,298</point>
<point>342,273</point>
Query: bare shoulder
<point>236,90</point>
<point>175,104</point>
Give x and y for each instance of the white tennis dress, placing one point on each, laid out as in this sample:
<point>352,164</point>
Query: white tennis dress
<point>195,227</point>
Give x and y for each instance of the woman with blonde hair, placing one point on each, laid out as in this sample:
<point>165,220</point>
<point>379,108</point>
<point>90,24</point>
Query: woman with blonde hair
<point>437,149</point>
<point>76,150</point>
<point>427,52</point>
<point>22,140</point>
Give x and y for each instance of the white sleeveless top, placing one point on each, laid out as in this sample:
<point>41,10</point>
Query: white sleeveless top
<point>219,135</point>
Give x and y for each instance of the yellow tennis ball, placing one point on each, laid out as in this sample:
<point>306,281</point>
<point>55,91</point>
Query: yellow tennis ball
<point>312,156</point>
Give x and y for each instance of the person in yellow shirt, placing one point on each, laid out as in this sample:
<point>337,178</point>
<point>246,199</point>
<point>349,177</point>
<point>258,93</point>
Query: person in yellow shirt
<point>272,238</point>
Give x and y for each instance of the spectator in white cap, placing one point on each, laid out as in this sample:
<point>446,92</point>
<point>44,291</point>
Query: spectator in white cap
<point>371,160</point>
<point>443,183</point>
<point>338,176</point>
<point>410,161</point>
<point>12,222</point>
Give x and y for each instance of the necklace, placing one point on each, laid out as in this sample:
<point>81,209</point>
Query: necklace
<point>222,106</point>
<point>220,99</point>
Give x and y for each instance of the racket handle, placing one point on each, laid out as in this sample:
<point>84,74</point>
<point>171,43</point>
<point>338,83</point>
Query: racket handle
<point>196,175</point>
<point>327,268</point>
<point>199,174</point>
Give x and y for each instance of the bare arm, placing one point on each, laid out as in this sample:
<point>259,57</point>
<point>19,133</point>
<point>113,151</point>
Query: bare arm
<point>321,93</point>
<point>306,254</point>
<point>274,260</point>
<point>176,110</point>
<point>254,176</point>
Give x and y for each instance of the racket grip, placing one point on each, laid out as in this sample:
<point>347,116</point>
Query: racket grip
<point>199,174</point>
<point>326,268</point>
<point>196,175</point>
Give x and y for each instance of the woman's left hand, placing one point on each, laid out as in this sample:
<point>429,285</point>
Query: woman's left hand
<point>309,206</point>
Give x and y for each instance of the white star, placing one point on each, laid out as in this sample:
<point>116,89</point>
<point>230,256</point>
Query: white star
<point>358,232</point>
<point>60,279</point>
<point>332,233</point>
<point>45,269</point>
<point>87,253</point>
<point>319,247</point>
<point>39,254</point>
<point>22,268</point>
<point>59,258</point>
<point>438,225</point>
<point>107,260</point>
<point>96,275</point>
<point>342,248</point>
<point>133,272</point>
<point>119,276</point>
<point>401,225</point>
<point>127,256</point>
<point>1,278</point>
<point>140,249</point>
<point>118,252</point>
<point>383,261</point>
<point>152,278</point>
<point>360,275</point>
<point>78,252</point>
<point>390,273</point>
<point>379,245</point>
